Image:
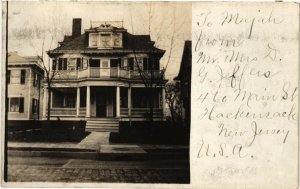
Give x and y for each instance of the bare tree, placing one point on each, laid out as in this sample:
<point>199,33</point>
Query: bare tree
<point>37,37</point>
<point>151,78</point>
<point>173,100</point>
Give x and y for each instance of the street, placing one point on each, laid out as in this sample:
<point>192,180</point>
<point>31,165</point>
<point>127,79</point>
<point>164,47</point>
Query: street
<point>27,169</point>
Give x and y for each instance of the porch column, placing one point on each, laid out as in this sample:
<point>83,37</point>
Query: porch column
<point>77,101</point>
<point>45,102</point>
<point>118,101</point>
<point>88,101</point>
<point>163,101</point>
<point>129,101</point>
<point>51,99</point>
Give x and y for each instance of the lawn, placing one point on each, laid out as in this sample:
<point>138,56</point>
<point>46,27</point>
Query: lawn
<point>46,131</point>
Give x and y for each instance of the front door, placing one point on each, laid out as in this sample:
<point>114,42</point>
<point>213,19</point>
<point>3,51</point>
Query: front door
<point>101,105</point>
<point>105,68</point>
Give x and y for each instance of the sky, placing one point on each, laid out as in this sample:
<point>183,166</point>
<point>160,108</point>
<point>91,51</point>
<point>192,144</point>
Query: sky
<point>33,25</point>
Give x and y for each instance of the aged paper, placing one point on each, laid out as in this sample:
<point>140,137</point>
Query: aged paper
<point>245,95</point>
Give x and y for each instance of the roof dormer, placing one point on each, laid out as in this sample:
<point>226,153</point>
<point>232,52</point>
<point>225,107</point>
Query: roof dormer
<point>106,35</point>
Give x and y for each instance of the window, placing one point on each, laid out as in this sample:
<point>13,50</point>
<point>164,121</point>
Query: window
<point>63,64</point>
<point>59,64</point>
<point>23,76</point>
<point>78,64</point>
<point>34,107</point>
<point>105,40</point>
<point>145,64</point>
<point>94,40</point>
<point>156,64</point>
<point>36,79</point>
<point>8,76</point>
<point>95,63</point>
<point>115,62</point>
<point>16,104</point>
<point>130,62</point>
<point>117,40</point>
<point>54,64</point>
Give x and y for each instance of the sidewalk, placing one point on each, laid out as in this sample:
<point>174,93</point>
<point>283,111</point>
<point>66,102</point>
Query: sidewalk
<point>96,146</point>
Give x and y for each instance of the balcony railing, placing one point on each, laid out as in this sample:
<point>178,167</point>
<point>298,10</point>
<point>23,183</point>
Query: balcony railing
<point>104,73</point>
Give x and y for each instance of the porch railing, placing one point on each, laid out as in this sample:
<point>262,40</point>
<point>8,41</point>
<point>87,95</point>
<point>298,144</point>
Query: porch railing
<point>82,111</point>
<point>145,112</point>
<point>62,111</point>
<point>135,112</point>
<point>113,72</point>
<point>124,112</point>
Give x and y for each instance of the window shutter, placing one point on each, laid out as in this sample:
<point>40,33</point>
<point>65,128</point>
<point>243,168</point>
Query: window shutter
<point>8,76</point>
<point>145,64</point>
<point>60,64</point>
<point>23,76</point>
<point>37,106</point>
<point>65,64</point>
<point>54,64</point>
<point>21,105</point>
<point>32,106</point>
<point>38,81</point>
<point>34,79</point>
<point>78,63</point>
<point>130,63</point>
<point>156,64</point>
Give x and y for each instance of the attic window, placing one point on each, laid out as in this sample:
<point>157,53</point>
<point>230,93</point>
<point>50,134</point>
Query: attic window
<point>105,40</point>
<point>117,40</point>
<point>94,40</point>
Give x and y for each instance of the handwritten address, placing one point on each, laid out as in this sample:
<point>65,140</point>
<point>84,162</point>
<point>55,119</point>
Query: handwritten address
<point>242,83</point>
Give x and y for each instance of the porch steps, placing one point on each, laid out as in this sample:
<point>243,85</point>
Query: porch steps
<point>103,125</point>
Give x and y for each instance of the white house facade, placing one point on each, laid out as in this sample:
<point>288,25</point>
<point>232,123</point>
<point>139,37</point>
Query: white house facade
<point>24,87</point>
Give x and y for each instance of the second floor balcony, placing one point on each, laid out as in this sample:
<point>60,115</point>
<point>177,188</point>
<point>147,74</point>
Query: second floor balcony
<point>109,73</point>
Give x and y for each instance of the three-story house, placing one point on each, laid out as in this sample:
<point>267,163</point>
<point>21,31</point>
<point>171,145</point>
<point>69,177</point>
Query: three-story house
<point>106,75</point>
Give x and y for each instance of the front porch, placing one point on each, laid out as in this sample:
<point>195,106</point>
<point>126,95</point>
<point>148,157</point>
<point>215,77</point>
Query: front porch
<point>105,102</point>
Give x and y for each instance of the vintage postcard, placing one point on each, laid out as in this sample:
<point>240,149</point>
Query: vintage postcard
<point>149,94</point>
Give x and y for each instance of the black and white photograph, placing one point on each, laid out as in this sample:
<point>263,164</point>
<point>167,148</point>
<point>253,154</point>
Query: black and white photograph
<point>97,92</point>
<point>153,94</point>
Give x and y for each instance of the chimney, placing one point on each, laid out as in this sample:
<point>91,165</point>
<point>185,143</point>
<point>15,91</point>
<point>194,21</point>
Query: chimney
<point>76,28</point>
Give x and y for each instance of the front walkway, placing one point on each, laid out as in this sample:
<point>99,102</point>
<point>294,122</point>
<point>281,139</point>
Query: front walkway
<point>94,140</point>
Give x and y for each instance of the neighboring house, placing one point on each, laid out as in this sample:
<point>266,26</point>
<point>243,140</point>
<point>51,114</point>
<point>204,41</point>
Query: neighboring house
<point>101,74</point>
<point>24,87</point>
<point>184,79</point>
